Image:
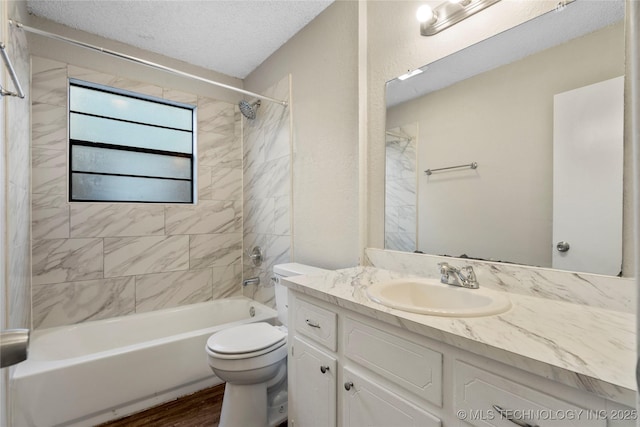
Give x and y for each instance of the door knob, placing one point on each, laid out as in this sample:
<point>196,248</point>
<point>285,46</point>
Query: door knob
<point>563,246</point>
<point>324,369</point>
<point>348,385</point>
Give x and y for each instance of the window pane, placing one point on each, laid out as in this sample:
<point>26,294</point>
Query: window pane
<point>96,129</point>
<point>104,160</point>
<point>126,108</point>
<point>127,189</point>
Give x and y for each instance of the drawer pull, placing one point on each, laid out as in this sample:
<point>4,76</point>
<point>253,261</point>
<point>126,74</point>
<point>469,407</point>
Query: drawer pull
<point>505,414</point>
<point>348,385</point>
<point>312,323</point>
<point>324,369</point>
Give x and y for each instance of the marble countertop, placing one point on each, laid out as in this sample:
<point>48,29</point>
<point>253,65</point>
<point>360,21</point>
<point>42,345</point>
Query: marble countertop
<point>592,349</point>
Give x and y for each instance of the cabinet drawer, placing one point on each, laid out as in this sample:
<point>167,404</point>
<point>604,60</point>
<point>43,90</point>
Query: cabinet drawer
<point>317,323</point>
<point>414,367</point>
<point>486,399</point>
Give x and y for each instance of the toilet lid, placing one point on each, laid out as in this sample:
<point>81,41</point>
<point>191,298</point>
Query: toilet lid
<point>247,338</point>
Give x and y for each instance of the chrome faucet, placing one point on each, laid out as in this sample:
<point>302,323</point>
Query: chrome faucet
<point>251,281</point>
<point>463,276</point>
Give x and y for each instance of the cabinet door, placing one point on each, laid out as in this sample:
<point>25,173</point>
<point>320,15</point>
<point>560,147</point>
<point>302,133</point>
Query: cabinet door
<point>365,403</point>
<point>485,399</point>
<point>312,386</point>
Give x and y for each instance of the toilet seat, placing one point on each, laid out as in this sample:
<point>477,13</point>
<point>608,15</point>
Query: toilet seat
<point>245,341</point>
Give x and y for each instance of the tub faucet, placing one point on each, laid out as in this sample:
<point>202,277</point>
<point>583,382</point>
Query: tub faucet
<point>463,276</point>
<point>252,281</point>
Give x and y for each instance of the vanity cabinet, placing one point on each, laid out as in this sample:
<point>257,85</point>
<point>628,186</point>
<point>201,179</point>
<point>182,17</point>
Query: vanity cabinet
<point>319,379</point>
<point>352,370</point>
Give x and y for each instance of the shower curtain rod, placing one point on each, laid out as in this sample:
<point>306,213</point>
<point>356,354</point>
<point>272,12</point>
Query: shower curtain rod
<point>143,62</point>
<point>12,73</point>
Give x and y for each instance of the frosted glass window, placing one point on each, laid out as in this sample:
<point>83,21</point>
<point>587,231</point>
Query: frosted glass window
<point>121,162</point>
<point>127,147</point>
<point>98,129</point>
<point>107,188</point>
<point>105,104</point>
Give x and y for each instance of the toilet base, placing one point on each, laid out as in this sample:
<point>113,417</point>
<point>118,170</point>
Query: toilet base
<point>244,405</point>
<point>253,405</point>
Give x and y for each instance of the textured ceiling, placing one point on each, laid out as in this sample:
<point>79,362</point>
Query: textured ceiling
<point>231,37</point>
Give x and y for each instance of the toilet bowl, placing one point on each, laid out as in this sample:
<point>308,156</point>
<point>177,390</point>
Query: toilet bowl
<point>252,360</point>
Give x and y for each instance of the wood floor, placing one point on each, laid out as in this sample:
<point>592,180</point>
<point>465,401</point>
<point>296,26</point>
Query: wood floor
<point>200,409</point>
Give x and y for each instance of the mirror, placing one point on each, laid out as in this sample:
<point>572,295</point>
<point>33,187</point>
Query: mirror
<point>529,107</point>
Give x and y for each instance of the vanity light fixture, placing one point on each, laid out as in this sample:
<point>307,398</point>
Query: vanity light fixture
<point>426,15</point>
<point>461,2</point>
<point>432,21</point>
<point>408,74</point>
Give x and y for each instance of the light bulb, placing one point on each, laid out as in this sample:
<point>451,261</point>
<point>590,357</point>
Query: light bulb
<point>425,14</point>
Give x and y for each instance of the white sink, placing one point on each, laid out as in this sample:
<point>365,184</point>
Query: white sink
<point>429,296</point>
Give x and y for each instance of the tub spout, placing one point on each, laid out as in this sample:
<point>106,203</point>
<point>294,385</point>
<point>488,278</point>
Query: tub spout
<point>252,281</point>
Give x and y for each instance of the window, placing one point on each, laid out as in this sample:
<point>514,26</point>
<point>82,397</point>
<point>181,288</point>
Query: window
<point>126,147</point>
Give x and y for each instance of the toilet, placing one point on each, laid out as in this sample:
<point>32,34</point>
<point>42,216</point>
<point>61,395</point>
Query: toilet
<point>252,360</point>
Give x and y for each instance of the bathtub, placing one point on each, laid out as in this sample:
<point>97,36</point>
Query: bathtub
<point>86,374</point>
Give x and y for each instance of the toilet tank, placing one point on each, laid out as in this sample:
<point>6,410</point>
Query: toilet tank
<point>288,270</point>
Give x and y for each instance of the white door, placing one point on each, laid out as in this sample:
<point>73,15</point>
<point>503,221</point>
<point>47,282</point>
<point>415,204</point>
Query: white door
<point>365,403</point>
<point>588,125</point>
<point>312,387</point>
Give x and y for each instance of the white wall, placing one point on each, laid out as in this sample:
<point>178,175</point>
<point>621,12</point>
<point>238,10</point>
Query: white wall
<point>323,62</point>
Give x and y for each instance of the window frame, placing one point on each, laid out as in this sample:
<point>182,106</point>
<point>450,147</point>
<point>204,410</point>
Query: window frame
<point>135,95</point>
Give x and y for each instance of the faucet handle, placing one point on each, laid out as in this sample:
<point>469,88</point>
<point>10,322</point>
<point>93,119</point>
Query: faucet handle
<point>255,255</point>
<point>444,267</point>
<point>470,280</point>
<point>470,274</point>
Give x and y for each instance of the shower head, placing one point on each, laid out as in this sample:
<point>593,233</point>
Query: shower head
<point>249,110</point>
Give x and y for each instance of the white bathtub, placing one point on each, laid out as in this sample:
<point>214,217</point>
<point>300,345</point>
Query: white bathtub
<point>85,374</point>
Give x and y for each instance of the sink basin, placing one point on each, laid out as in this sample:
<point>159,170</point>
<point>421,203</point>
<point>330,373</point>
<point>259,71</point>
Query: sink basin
<point>429,296</point>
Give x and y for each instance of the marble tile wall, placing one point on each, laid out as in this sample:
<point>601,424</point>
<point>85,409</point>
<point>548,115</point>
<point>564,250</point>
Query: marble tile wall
<point>99,260</point>
<point>17,187</point>
<point>267,190</point>
<point>612,293</point>
<point>401,186</point>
